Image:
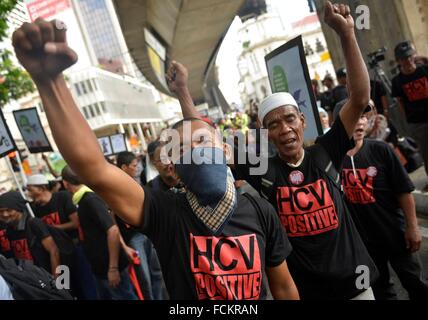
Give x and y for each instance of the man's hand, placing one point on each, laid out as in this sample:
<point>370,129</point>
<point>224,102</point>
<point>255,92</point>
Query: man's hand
<point>42,49</point>
<point>113,278</point>
<point>413,239</point>
<point>130,253</point>
<point>338,17</point>
<point>176,77</point>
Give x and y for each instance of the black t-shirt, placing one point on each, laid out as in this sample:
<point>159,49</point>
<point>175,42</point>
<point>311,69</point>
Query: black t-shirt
<point>157,184</point>
<point>413,90</point>
<point>95,221</point>
<point>372,195</point>
<point>377,91</point>
<point>198,264</point>
<point>57,211</point>
<point>340,93</point>
<point>26,241</point>
<point>127,231</point>
<point>327,100</point>
<point>326,245</point>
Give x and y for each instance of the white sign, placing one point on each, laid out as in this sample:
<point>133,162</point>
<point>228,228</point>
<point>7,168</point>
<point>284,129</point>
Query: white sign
<point>31,129</point>
<point>118,143</point>
<point>7,144</point>
<point>105,145</point>
<point>288,71</point>
<point>155,44</point>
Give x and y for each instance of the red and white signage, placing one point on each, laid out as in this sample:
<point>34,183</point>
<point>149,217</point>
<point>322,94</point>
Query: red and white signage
<point>46,8</point>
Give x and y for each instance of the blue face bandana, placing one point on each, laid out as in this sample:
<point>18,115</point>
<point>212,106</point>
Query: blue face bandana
<point>211,192</point>
<point>204,172</point>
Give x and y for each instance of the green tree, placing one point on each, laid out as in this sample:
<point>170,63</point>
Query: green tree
<point>14,82</point>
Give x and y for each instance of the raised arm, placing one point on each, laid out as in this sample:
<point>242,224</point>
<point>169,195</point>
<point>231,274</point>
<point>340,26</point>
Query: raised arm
<point>42,49</point>
<point>339,18</point>
<point>177,77</point>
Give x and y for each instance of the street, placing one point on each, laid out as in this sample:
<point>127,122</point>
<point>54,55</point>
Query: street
<point>423,253</point>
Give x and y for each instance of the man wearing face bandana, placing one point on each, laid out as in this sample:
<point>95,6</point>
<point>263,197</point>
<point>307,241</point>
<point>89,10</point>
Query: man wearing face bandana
<point>211,242</point>
<point>302,183</point>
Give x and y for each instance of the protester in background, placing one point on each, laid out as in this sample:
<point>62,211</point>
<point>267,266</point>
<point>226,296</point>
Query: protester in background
<point>178,225</point>
<point>378,192</point>
<point>325,121</point>
<point>340,92</point>
<point>410,87</point>
<point>380,100</point>
<point>55,209</point>
<point>135,243</point>
<point>30,238</point>
<point>100,239</point>
<point>327,96</point>
<point>167,180</point>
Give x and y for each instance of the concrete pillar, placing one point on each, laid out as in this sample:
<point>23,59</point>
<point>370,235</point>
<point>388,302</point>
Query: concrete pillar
<point>121,128</point>
<point>141,136</point>
<point>153,130</point>
<point>131,130</point>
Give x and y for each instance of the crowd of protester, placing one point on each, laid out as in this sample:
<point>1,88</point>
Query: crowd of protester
<point>191,232</point>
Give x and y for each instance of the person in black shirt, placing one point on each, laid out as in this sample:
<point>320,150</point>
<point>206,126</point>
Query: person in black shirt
<point>410,87</point>
<point>327,249</point>
<point>100,239</point>
<point>378,192</point>
<point>30,239</point>
<point>55,209</point>
<point>135,243</point>
<point>378,95</point>
<point>340,92</point>
<point>327,96</point>
<point>211,242</point>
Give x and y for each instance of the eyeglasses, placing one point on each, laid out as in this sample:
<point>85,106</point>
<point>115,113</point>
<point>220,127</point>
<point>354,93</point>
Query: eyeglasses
<point>369,108</point>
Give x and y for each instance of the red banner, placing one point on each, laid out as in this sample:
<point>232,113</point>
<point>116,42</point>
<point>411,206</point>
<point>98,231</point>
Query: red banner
<point>46,8</point>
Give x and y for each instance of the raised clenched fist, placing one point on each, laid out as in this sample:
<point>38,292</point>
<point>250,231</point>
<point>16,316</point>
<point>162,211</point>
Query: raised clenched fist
<point>42,49</point>
<point>338,17</point>
<point>176,76</point>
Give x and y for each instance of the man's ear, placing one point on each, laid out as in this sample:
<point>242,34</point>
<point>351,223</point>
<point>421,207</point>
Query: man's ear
<point>123,167</point>
<point>303,119</point>
<point>228,153</point>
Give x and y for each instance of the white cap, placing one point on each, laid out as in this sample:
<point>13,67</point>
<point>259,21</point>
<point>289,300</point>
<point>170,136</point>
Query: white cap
<point>37,180</point>
<point>274,101</point>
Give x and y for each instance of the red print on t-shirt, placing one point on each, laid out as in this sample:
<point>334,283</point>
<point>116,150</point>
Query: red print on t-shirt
<point>21,250</point>
<point>4,241</point>
<point>417,89</point>
<point>307,210</point>
<point>359,189</point>
<point>52,219</point>
<point>226,268</point>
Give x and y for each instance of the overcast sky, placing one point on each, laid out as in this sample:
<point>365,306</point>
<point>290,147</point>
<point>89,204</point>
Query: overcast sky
<point>289,11</point>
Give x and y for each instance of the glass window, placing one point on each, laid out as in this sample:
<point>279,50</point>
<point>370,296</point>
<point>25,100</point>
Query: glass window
<point>103,106</point>
<point>88,82</point>
<point>82,84</point>
<point>85,112</point>
<point>91,110</point>
<point>97,109</point>
<point>77,88</point>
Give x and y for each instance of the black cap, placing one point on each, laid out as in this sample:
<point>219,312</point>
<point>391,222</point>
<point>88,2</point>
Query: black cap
<point>340,73</point>
<point>403,50</point>
<point>151,148</point>
<point>12,200</point>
